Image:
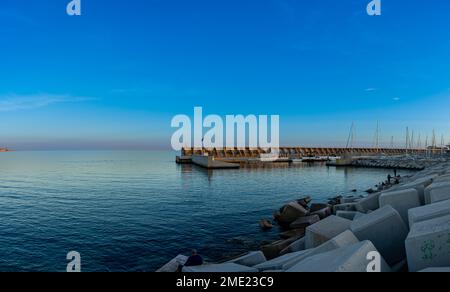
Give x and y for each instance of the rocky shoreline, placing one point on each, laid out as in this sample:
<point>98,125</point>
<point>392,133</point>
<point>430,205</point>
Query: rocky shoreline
<point>404,220</point>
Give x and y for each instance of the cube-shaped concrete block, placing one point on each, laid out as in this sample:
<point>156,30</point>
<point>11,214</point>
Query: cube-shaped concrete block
<point>325,230</point>
<point>350,215</point>
<point>289,260</point>
<point>428,244</point>
<point>353,258</point>
<point>437,192</point>
<point>420,185</point>
<point>219,268</point>
<point>344,239</point>
<point>402,201</point>
<point>304,222</point>
<point>344,207</point>
<point>251,259</point>
<point>436,270</point>
<point>369,203</point>
<point>292,212</point>
<point>428,212</point>
<point>386,230</point>
<point>278,263</point>
<point>298,245</point>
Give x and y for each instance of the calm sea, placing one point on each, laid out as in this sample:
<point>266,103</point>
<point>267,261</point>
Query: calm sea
<point>134,211</point>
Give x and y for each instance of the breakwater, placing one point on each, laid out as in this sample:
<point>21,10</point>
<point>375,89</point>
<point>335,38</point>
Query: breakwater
<point>406,221</point>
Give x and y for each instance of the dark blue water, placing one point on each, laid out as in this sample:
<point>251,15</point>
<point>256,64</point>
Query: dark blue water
<point>134,211</point>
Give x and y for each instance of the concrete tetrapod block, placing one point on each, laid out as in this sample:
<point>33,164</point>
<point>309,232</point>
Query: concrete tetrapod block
<point>428,212</point>
<point>219,268</point>
<point>428,244</point>
<point>350,215</point>
<point>325,230</point>
<point>402,201</point>
<point>351,258</point>
<point>437,192</point>
<point>251,259</point>
<point>369,203</point>
<point>386,230</point>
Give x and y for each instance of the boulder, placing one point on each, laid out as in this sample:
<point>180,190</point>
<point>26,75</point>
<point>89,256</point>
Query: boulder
<point>303,222</point>
<point>291,212</point>
<point>428,212</point>
<point>219,268</point>
<point>369,203</point>
<point>298,245</point>
<point>437,192</point>
<point>386,230</point>
<point>428,244</point>
<point>325,230</point>
<point>352,258</point>
<point>350,215</point>
<point>251,259</point>
<point>402,201</point>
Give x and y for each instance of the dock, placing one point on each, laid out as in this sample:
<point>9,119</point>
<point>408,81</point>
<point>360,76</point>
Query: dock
<point>205,161</point>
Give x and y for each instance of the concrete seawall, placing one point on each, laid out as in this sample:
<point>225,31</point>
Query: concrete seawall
<point>407,224</point>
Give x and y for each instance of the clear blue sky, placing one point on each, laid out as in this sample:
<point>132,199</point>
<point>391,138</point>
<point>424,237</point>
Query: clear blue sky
<point>114,77</point>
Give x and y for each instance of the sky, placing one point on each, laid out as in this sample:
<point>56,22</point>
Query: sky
<point>114,77</point>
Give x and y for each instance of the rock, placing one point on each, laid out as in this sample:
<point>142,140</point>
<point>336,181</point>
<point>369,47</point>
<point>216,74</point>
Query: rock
<point>437,192</point>
<point>273,250</point>
<point>344,207</point>
<point>428,244</point>
<point>350,215</point>
<point>402,201</point>
<point>251,259</point>
<point>351,258</point>
<point>370,202</point>
<point>265,224</point>
<point>386,230</point>
<point>297,233</point>
<point>291,212</point>
<point>428,212</point>
<point>304,222</point>
<point>325,230</point>
<point>219,268</point>
<point>436,270</point>
<point>321,210</point>
<point>298,245</point>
